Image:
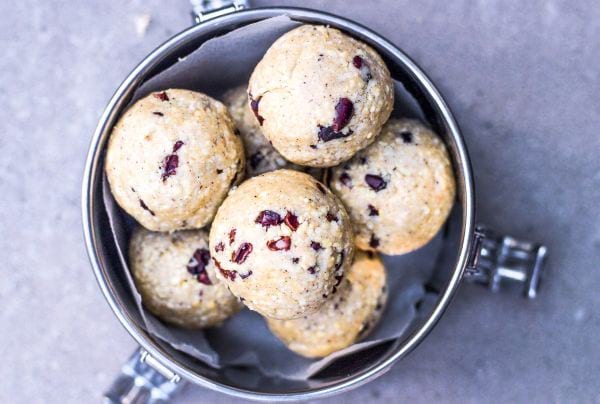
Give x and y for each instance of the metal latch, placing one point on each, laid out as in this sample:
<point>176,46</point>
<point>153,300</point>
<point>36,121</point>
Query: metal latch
<point>498,261</point>
<point>203,10</point>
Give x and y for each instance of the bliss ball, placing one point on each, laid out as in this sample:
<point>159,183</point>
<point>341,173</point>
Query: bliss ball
<point>348,316</point>
<point>399,191</point>
<point>320,95</point>
<point>176,278</point>
<point>172,158</point>
<point>282,241</point>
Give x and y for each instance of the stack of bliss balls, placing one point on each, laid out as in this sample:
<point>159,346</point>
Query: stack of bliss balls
<point>232,204</point>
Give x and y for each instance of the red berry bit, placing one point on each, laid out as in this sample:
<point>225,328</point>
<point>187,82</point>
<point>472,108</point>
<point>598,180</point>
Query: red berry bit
<point>197,265</point>
<point>407,136</point>
<point>326,134</point>
<point>220,247</point>
<point>331,217</point>
<point>361,65</point>
<point>281,244</point>
<point>315,246</point>
<point>227,274</point>
<point>254,106</point>
<point>177,146</point>
<point>343,113</point>
<point>242,253</point>
<point>374,241</point>
<point>145,207</point>
<point>232,236</point>
<point>375,182</point>
<point>373,211</point>
<point>291,221</point>
<point>345,179</point>
<point>161,96</point>
<point>170,165</point>
<point>312,270</point>
<point>268,218</point>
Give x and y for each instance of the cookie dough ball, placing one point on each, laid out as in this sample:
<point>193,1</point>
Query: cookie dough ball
<point>348,316</point>
<point>261,157</point>
<point>398,191</point>
<point>320,95</point>
<point>176,278</point>
<point>282,242</point>
<point>172,158</point>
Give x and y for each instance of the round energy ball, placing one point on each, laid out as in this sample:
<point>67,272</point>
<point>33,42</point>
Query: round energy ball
<point>176,278</point>
<point>172,158</point>
<point>320,95</point>
<point>399,191</point>
<point>282,241</point>
<point>348,316</point>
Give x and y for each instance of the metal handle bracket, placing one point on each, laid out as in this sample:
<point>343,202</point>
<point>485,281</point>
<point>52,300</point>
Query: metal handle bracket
<point>498,261</point>
<point>203,10</point>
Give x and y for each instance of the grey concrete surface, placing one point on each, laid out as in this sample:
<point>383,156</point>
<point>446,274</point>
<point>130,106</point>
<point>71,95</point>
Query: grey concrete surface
<point>524,81</point>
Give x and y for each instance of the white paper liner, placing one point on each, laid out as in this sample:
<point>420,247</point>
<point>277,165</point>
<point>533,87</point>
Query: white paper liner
<point>218,65</point>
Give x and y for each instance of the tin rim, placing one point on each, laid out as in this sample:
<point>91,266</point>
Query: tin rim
<point>120,99</point>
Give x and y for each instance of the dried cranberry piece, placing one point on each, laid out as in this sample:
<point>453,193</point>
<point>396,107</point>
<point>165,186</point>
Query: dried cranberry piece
<point>244,276</point>
<point>254,106</point>
<point>343,114</point>
<point>321,188</point>
<point>373,211</point>
<point>161,96</point>
<point>361,65</point>
<point>145,207</point>
<point>197,265</point>
<point>268,218</point>
<point>375,182</point>
<point>295,260</point>
<point>219,247</point>
<point>177,146</point>
<point>407,136</point>
<point>346,179</point>
<point>256,159</point>
<point>158,113</point>
<point>312,270</point>
<point>281,244</point>
<point>242,253</point>
<point>170,165</point>
<point>315,246</point>
<point>227,274</point>
<point>291,221</point>
<point>232,236</point>
<point>326,134</point>
<point>331,217</point>
<point>338,265</point>
<point>374,241</point>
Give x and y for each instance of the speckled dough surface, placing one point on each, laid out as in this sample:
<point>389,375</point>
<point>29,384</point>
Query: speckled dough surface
<point>261,157</point>
<point>398,191</point>
<point>349,315</point>
<point>282,242</point>
<point>320,95</point>
<point>172,158</point>
<point>176,278</point>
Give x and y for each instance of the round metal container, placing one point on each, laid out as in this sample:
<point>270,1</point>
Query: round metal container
<point>356,370</point>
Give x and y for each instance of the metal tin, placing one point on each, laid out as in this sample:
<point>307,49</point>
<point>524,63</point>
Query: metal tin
<point>100,245</point>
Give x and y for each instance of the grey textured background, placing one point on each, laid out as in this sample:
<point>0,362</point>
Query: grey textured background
<point>523,80</point>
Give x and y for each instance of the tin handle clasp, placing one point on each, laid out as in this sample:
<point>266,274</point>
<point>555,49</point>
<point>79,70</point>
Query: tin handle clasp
<point>143,380</point>
<point>203,10</point>
<point>500,261</point>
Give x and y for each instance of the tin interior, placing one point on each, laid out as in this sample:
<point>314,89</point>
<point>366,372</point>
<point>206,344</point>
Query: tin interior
<point>247,382</point>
